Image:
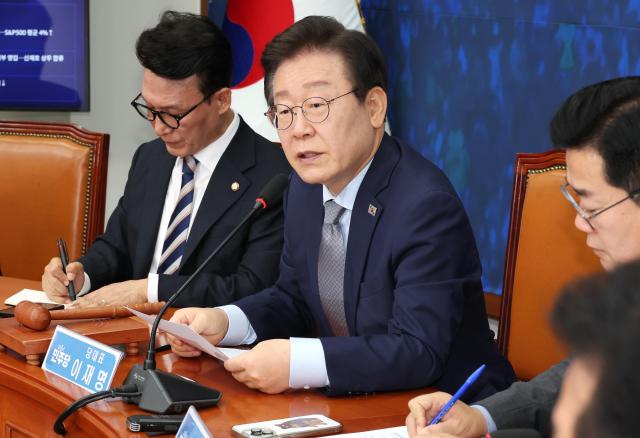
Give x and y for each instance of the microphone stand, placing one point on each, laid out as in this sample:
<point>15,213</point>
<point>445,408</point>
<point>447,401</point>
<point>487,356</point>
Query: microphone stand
<point>162,392</point>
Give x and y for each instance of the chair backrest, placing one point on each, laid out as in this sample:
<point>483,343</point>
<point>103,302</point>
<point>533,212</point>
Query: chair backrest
<point>544,252</point>
<point>52,184</point>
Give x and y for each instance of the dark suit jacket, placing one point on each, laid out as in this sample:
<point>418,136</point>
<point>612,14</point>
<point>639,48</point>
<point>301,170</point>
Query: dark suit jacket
<point>248,263</point>
<point>528,404</point>
<point>413,296</point>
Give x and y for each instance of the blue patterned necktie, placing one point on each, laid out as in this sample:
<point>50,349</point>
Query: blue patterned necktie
<point>176,237</point>
<point>331,259</point>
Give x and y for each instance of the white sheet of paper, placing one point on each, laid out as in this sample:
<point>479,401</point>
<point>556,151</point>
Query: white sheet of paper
<point>390,432</point>
<point>187,334</point>
<point>35,296</point>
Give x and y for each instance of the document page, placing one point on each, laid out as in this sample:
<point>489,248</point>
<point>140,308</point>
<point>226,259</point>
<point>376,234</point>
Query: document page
<point>187,334</point>
<point>390,432</point>
<point>35,296</point>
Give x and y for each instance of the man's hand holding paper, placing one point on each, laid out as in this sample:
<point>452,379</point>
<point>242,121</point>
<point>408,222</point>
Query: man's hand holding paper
<point>211,324</point>
<point>189,339</point>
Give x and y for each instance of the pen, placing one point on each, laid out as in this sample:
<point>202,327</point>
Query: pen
<point>459,393</point>
<point>64,257</point>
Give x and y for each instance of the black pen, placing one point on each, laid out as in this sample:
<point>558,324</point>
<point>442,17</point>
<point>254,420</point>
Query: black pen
<point>64,257</point>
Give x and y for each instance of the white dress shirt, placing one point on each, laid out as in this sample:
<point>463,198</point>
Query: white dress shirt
<point>308,368</point>
<point>491,425</point>
<point>208,159</point>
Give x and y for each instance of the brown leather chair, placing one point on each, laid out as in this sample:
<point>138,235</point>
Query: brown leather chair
<point>544,252</point>
<point>52,184</point>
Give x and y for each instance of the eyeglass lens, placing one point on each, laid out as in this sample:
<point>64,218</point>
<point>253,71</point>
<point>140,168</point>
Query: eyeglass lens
<point>314,109</point>
<point>150,115</point>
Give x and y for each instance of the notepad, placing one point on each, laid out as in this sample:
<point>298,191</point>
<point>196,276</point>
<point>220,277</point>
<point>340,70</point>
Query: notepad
<point>35,296</point>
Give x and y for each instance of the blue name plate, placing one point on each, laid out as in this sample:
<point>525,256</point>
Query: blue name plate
<point>192,426</point>
<point>81,360</point>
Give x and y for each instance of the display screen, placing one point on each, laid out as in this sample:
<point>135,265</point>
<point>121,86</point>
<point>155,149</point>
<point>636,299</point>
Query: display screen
<point>44,59</point>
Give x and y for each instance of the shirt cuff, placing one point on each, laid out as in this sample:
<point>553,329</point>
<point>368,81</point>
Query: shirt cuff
<point>240,331</point>
<point>152,287</point>
<point>491,425</point>
<point>86,286</point>
<point>307,368</point>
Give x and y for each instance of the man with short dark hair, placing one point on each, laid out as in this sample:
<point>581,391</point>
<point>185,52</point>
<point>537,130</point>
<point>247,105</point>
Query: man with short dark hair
<point>599,320</point>
<point>379,259</point>
<point>599,127</point>
<point>188,188</point>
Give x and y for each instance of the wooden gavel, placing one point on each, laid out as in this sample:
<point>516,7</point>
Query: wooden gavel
<point>36,317</point>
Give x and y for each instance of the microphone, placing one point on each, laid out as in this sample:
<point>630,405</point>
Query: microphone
<point>514,433</point>
<point>162,392</point>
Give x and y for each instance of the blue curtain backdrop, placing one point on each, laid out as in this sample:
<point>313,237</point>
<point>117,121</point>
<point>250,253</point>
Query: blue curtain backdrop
<point>474,82</point>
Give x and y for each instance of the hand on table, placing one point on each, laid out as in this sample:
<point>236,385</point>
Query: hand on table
<point>116,294</point>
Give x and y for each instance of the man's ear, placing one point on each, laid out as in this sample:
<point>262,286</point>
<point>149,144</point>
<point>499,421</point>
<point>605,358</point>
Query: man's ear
<point>222,99</point>
<point>376,103</point>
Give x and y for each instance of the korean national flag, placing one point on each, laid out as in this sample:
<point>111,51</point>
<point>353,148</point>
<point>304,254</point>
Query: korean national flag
<point>250,25</point>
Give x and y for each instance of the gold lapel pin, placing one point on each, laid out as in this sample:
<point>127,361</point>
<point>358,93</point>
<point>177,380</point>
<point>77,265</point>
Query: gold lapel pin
<point>235,186</point>
<point>372,210</point>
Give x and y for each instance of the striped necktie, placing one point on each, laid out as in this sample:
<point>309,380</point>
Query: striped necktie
<point>176,237</point>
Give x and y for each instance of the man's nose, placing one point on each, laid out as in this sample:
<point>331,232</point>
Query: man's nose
<point>160,127</point>
<point>582,224</point>
<point>300,126</point>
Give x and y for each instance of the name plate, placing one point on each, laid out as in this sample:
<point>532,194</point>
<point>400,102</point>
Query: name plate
<point>81,360</point>
<point>192,426</point>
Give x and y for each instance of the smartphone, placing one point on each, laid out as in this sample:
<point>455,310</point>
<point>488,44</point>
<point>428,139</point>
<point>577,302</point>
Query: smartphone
<point>306,425</point>
<point>154,423</point>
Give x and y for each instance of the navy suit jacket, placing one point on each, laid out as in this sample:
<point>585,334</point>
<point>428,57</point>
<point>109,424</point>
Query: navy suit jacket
<point>413,297</point>
<point>247,264</point>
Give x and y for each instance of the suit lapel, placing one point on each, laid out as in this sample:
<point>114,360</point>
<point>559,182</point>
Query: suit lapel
<point>366,213</point>
<point>316,217</point>
<point>153,203</point>
<point>218,196</point>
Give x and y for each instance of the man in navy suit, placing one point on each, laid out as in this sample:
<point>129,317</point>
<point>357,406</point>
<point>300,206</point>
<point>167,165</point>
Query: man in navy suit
<point>409,311</point>
<point>187,189</point>
<point>598,128</point>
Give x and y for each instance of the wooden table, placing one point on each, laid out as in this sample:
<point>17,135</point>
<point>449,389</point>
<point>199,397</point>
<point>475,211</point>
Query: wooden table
<point>31,400</point>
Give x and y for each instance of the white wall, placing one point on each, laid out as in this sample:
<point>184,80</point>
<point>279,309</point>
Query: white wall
<point>115,77</point>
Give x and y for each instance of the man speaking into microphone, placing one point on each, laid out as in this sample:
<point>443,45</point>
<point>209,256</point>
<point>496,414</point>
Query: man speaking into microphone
<point>379,258</point>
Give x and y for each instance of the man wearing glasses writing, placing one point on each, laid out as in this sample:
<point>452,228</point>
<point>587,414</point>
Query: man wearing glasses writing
<point>379,285</point>
<point>186,189</point>
<point>599,127</point>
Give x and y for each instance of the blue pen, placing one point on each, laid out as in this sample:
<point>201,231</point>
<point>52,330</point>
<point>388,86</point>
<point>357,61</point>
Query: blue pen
<point>459,393</point>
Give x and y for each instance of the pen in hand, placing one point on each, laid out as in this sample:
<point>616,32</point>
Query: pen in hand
<point>459,393</point>
<point>64,257</point>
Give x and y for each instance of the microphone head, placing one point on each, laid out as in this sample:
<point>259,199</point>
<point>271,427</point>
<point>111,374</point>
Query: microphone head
<point>271,193</point>
<point>514,433</point>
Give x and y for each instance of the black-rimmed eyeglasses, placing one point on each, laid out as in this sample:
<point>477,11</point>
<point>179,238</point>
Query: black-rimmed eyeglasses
<point>571,196</point>
<point>314,109</point>
<point>171,120</point>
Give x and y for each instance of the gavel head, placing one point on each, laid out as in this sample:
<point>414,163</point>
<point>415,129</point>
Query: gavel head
<point>32,315</point>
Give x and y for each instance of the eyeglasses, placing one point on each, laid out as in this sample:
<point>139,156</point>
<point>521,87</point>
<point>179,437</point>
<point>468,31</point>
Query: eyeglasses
<point>171,120</point>
<point>571,196</point>
<point>314,109</point>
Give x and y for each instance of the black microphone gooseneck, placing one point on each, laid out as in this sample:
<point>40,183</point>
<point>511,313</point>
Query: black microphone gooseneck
<point>162,392</point>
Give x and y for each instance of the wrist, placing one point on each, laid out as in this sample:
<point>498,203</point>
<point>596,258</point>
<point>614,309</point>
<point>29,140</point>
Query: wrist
<point>481,420</point>
<point>223,322</point>
<point>143,293</point>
